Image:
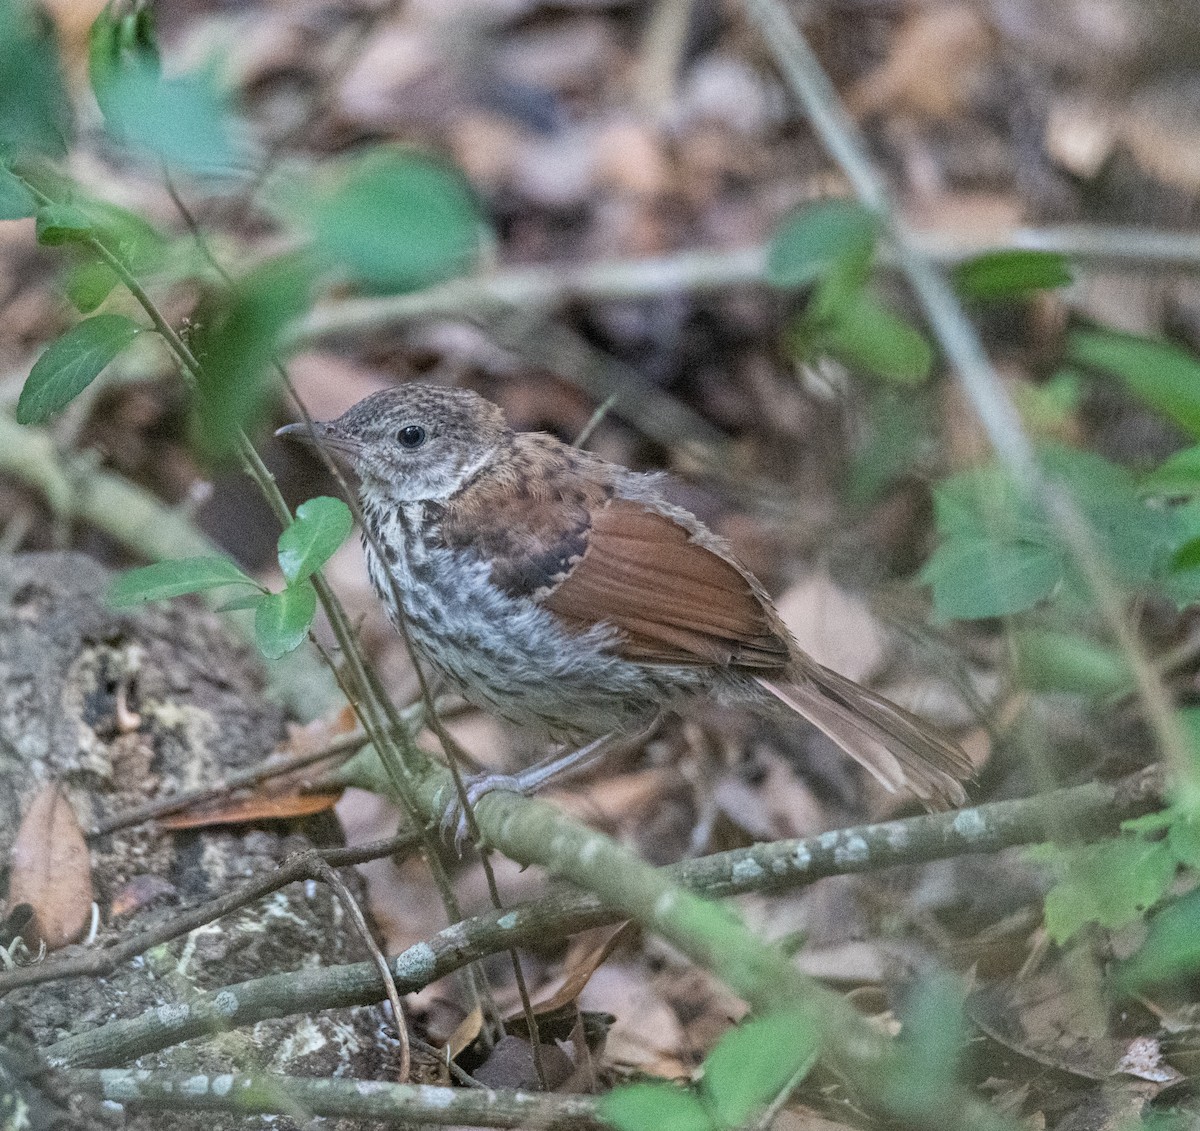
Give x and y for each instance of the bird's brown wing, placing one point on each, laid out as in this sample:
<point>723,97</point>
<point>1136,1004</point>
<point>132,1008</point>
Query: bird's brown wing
<point>673,600</point>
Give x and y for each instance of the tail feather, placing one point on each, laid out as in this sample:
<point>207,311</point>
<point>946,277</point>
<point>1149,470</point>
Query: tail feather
<point>895,747</point>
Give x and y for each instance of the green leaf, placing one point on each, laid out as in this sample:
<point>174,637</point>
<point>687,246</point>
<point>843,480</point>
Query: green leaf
<point>399,222</point>
<point>34,108</point>
<point>62,223</point>
<point>1172,946</point>
<point>283,619</point>
<point>1183,838</point>
<point>119,40</point>
<point>654,1107</point>
<point>239,332</point>
<point>1060,661</point>
<point>933,1036</point>
<point>89,284</point>
<point>173,579</point>
<point>828,236</point>
<point>996,555</point>
<point>72,363</point>
<point>1136,538</point>
<point>1011,273</point>
<point>1111,883</point>
<point>999,555</point>
<point>976,579</point>
<point>896,437</point>
<point>239,604</point>
<point>183,120</point>
<point>865,334</point>
<point>16,201</point>
<point>137,244</point>
<point>753,1063</point>
<point>1164,376</point>
<point>321,525</point>
<point>1051,406</point>
<point>1179,475</point>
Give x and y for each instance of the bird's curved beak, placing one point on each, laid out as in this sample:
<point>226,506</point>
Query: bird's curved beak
<point>324,433</point>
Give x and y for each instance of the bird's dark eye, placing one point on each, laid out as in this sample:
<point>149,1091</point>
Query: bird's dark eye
<point>411,436</point>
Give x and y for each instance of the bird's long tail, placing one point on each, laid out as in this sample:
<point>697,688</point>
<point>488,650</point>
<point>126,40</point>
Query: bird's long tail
<point>899,749</point>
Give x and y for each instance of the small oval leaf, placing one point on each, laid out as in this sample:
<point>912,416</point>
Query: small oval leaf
<point>1164,376</point>
<point>321,525</point>
<point>16,201</point>
<point>1061,661</point>
<point>71,364</point>
<point>753,1063</point>
<point>35,111</point>
<point>1179,475</point>
<point>240,329</point>
<point>173,579</point>
<point>1011,273</point>
<point>665,1107</point>
<point>820,237</point>
<point>62,223</point>
<point>89,284</point>
<point>400,221</point>
<point>282,620</point>
<point>865,334</point>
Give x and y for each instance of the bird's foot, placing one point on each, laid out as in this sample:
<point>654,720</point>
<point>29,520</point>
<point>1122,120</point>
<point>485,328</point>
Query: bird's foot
<point>455,817</point>
<point>526,782</point>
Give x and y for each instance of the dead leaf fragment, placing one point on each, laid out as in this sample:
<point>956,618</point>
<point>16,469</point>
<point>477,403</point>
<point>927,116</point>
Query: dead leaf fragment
<point>833,626</point>
<point>51,870</point>
<point>1144,1059</point>
<point>464,1033</point>
<point>257,807</point>
<point>936,64</point>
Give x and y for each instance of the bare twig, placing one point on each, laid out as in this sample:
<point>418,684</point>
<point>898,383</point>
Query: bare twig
<point>323,871</point>
<point>551,287</point>
<point>395,1105</point>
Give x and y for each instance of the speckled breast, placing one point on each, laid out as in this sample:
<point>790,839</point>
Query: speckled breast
<point>507,655</point>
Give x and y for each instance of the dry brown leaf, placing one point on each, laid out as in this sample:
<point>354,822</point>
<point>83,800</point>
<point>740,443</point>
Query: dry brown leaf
<point>73,21</point>
<point>647,1033</point>
<point>1080,135</point>
<point>314,736</point>
<point>255,808</point>
<point>328,384</point>
<point>835,628</point>
<point>465,1033</point>
<point>285,795</point>
<point>580,966</point>
<point>1162,131</point>
<point>799,1118</point>
<point>613,799</point>
<point>139,892</point>
<point>1144,1059</point>
<point>934,67</point>
<point>981,216</point>
<point>51,870</point>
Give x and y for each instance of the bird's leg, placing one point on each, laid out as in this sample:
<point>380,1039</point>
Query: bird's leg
<point>528,781</point>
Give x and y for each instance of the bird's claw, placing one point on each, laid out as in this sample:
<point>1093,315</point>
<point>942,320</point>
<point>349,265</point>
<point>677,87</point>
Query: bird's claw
<point>454,817</point>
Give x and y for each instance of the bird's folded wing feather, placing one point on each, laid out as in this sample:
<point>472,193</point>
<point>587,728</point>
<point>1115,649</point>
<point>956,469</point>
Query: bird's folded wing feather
<point>672,599</point>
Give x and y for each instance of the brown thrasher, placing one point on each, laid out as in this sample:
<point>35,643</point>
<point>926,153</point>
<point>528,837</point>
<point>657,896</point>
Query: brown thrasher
<point>565,593</point>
